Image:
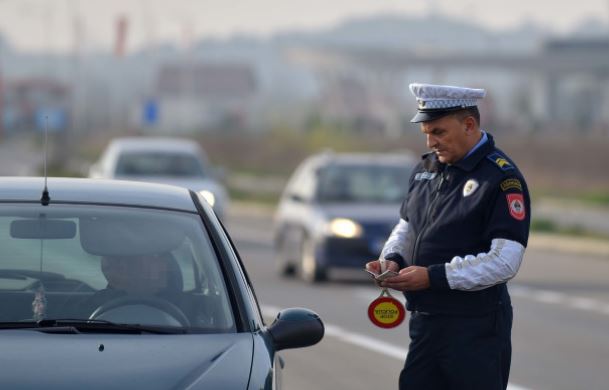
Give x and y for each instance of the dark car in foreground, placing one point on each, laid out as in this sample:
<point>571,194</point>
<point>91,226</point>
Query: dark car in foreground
<point>337,210</point>
<point>116,285</point>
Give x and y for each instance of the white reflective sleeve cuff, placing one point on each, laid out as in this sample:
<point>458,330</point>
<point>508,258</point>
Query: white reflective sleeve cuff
<point>498,265</point>
<point>396,243</point>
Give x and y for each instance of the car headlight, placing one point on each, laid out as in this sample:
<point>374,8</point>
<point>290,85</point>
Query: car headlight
<point>345,228</point>
<point>209,197</point>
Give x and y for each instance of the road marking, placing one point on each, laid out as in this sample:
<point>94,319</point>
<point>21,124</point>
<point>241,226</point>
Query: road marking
<point>557,298</point>
<point>362,341</point>
<point>550,297</point>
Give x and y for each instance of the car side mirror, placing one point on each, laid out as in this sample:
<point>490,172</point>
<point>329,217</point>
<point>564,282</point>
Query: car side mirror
<point>296,328</point>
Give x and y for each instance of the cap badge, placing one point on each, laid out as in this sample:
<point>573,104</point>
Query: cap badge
<point>470,187</point>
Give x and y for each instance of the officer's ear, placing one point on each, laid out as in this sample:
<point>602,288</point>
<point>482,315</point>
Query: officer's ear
<point>470,124</point>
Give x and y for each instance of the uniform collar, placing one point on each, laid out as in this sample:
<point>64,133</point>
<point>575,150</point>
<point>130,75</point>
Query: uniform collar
<point>481,142</point>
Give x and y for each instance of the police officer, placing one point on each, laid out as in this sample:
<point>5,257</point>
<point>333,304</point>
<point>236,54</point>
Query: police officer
<point>462,234</point>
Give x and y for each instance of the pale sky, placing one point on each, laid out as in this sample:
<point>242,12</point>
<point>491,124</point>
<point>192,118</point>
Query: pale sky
<point>49,24</point>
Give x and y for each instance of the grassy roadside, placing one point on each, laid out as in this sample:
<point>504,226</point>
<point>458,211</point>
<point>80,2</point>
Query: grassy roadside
<point>585,197</point>
<point>547,226</point>
<point>248,197</point>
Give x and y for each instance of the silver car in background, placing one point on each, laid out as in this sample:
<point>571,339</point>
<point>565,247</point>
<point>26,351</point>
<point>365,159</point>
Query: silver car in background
<point>174,161</point>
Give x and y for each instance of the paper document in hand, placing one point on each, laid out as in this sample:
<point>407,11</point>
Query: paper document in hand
<point>382,276</point>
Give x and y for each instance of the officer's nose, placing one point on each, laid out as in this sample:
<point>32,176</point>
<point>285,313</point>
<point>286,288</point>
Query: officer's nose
<point>431,141</point>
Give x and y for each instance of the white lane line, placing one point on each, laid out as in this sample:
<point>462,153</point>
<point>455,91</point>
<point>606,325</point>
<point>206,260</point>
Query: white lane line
<point>548,297</point>
<point>557,298</point>
<point>362,341</point>
<point>367,342</point>
<point>512,386</point>
<point>583,303</point>
<point>270,311</point>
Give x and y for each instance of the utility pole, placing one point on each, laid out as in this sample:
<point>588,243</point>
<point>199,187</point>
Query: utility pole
<point>1,89</point>
<point>121,27</point>
<point>76,98</point>
<point>2,43</point>
<point>147,99</point>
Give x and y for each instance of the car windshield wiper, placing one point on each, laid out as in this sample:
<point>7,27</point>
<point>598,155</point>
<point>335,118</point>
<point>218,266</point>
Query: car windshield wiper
<point>93,325</point>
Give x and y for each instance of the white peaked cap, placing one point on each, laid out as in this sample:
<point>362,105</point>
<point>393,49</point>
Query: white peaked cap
<point>435,101</point>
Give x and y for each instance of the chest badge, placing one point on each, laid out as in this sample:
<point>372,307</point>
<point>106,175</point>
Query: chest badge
<point>470,187</point>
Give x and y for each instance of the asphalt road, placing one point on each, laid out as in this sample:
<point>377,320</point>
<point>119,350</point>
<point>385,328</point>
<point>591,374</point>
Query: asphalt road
<point>560,335</point>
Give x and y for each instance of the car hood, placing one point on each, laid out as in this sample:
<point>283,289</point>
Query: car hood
<point>32,359</point>
<point>363,212</point>
<point>193,183</point>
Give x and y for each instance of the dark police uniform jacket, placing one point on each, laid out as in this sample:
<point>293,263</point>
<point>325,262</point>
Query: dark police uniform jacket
<point>456,210</point>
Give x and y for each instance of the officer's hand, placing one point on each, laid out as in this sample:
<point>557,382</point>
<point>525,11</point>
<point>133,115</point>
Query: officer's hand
<point>411,278</point>
<point>375,266</point>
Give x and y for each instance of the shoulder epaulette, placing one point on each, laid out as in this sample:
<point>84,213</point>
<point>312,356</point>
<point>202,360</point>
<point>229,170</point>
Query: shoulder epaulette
<point>500,160</point>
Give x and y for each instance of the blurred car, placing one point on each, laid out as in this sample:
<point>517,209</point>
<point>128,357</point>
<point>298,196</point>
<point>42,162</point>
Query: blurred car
<point>117,284</point>
<point>174,161</point>
<point>337,210</point>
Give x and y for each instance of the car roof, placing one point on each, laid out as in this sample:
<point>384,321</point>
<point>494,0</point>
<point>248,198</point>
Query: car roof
<point>116,192</point>
<point>164,144</point>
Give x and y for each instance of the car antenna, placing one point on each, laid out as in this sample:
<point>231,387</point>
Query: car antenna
<point>45,192</point>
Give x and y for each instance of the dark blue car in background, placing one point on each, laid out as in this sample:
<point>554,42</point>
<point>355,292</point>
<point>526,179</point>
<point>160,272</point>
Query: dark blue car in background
<point>337,210</point>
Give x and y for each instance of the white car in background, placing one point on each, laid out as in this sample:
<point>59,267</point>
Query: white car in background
<point>175,161</point>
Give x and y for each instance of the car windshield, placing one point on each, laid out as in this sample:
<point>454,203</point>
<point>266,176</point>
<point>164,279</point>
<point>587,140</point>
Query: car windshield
<point>159,164</point>
<point>124,265</point>
<point>361,183</point>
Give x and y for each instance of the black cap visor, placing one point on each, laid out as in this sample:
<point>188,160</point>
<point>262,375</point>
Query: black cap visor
<point>423,115</point>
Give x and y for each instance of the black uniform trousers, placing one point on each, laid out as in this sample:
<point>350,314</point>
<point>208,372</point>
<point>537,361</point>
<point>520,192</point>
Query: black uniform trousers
<point>450,352</point>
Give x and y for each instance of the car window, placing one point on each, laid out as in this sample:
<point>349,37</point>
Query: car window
<point>69,261</point>
<point>303,183</point>
<point>359,183</point>
<point>159,164</point>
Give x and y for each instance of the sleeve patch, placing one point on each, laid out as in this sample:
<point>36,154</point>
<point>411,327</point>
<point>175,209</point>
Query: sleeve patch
<point>516,206</point>
<point>511,184</point>
<point>500,161</point>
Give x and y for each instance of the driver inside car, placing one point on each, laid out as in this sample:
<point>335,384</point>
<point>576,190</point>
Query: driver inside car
<point>136,274</point>
<point>156,275</point>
